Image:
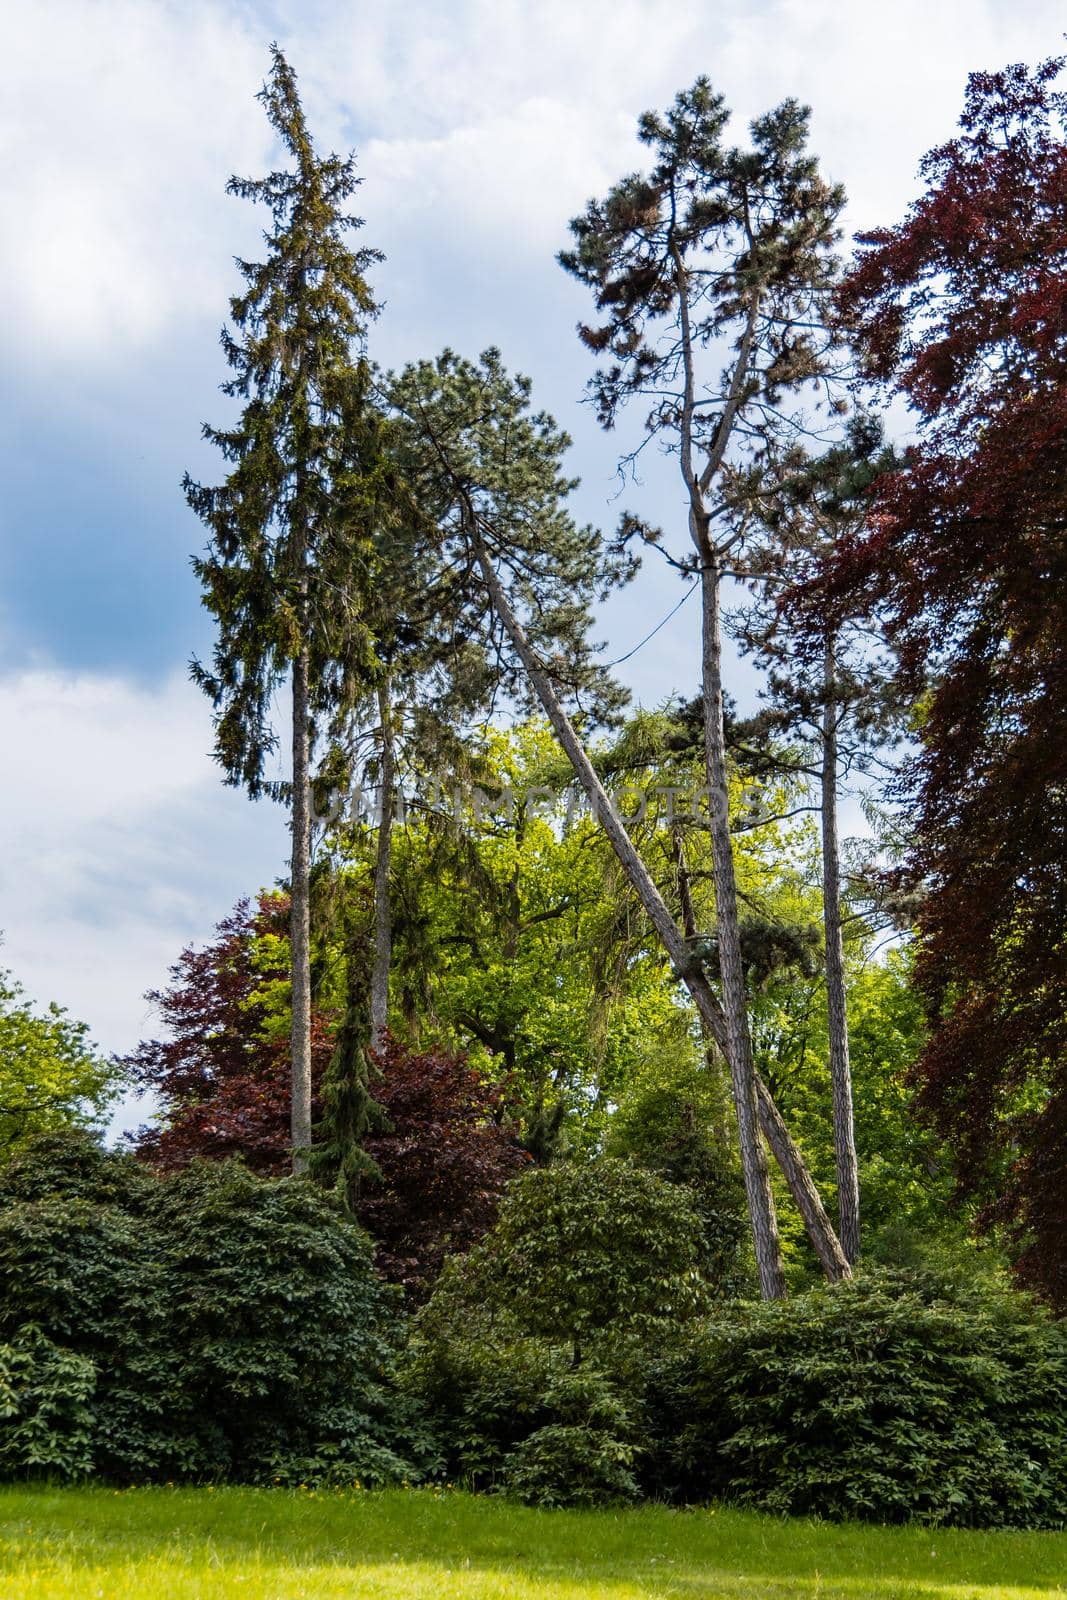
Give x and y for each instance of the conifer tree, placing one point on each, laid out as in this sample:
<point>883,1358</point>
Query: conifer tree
<point>289,565</point>
<point>729,248</point>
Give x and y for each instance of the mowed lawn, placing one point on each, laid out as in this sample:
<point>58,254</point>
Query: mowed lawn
<point>199,1544</point>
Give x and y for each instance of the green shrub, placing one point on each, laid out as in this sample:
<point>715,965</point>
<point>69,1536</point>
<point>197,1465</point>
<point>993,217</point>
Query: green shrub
<point>529,1354</point>
<point>45,1414</point>
<point>674,1123</point>
<point>236,1325</point>
<point>892,1397</point>
<point>584,1457</point>
<point>481,1380</point>
<point>588,1254</point>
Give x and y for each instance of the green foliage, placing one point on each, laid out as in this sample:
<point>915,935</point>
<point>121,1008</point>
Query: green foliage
<point>49,1076</point>
<point>236,1325</point>
<point>673,1121</point>
<point>894,1397</point>
<point>589,1253</point>
<point>514,1413</point>
<point>349,1113</point>
<point>584,1458</point>
<point>489,473</point>
<point>44,1408</point>
<point>529,1353</point>
<point>514,933</point>
<point>288,571</point>
<point>483,1384</point>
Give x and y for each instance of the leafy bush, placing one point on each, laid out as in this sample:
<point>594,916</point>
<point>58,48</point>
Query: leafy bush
<point>529,1354</point>
<point>236,1325</point>
<point>513,1413</point>
<point>586,1253</point>
<point>892,1397</point>
<point>483,1384</point>
<point>674,1123</point>
<point>50,1076</point>
<point>44,1408</point>
<point>582,1459</point>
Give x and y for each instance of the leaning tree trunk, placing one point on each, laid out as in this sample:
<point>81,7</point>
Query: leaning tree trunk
<point>734,999</point>
<point>300,920</point>
<point>848,1187</point>
<point>383,915</point>
<point>786,1153</point>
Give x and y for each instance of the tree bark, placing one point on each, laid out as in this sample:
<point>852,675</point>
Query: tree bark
<point>848,1187</point>
<point>383,915</point>
<point>300,920</point>
<point>735,1002</point>
<point>820,1230</point>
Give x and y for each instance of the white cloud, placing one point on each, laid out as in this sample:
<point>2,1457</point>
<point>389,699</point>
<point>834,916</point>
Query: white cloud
<point>490,119</point>
<point>121,124</point>
<point>121,845</point>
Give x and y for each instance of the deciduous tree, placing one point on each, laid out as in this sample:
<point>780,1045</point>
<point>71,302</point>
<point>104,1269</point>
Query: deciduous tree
<point>492,472</point>
<point>962,308</point>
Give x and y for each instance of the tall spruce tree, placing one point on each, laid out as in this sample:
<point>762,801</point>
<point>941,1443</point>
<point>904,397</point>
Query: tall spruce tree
<point>728,249</point>
<point>289,565</point>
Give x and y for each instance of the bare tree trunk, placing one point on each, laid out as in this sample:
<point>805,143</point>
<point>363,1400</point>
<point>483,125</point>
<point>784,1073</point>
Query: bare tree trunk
<point>848,1186</point>
<point>383,915</point>
<point>300,920</point>
<point>805,1194</point>
<point>735,1002</point>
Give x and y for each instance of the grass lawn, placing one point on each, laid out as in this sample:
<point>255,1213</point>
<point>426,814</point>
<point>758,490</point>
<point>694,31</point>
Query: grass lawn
<point>261,1544</point>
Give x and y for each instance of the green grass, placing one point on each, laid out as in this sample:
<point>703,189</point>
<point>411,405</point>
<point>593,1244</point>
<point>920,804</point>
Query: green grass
<point>200,1544</point>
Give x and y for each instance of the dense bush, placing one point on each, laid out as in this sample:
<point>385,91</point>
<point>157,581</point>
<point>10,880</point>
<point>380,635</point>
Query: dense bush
<point>530,1351</point>
<point>513,1413</point>
<point>584,1456</point>
<point>444,1151</point>
<point>674,1123</point>
<point>892,1397</point>
<point>587,1253</point>
<point>483,1384</point>
<point>44,1408</point>
<point>235,1326</point>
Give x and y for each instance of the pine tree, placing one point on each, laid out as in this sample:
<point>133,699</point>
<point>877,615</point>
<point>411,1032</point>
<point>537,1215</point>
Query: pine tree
<point>349,1112</point>
<point>289,565</point>
<point>728,247</point>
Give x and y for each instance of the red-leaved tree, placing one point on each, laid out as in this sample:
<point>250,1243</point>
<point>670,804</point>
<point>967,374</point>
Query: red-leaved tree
<point>220,1073</point>
<point>963,310</point>
<point>222,1080</point>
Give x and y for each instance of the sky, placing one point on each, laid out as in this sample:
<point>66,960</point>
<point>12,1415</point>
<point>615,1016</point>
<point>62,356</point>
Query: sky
<point>480,128</point>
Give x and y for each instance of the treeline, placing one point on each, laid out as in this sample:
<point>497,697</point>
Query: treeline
<point>399,546</point>
<point>502,1112</point>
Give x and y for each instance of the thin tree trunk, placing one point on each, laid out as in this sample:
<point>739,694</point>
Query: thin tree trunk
<point>714,1060</point>
<point>803,1190</point>
<point>300,919</point>
<point>735,1002</point>
<point>848,1186</point>
<point>383,915</point>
